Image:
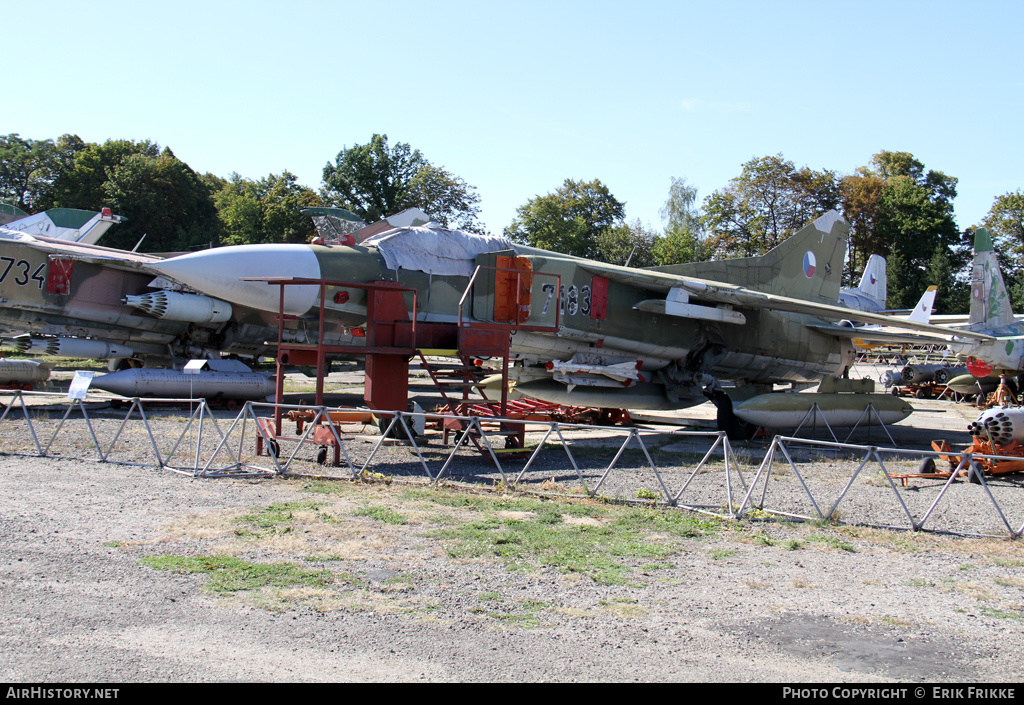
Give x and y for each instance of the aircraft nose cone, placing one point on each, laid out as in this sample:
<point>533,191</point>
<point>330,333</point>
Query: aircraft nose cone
<point>218,272</point>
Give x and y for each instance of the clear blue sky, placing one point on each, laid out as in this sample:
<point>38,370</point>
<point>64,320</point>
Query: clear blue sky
<point>515,97</point>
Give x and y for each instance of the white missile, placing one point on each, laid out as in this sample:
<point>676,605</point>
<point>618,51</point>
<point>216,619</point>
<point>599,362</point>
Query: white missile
<point>22,373</point>
<point>175,384</point>
<point>84,348</point>
<point>177,306</point>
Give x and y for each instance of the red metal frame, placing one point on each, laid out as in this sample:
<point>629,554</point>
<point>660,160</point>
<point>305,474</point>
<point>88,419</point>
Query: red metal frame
<point>323,350</point>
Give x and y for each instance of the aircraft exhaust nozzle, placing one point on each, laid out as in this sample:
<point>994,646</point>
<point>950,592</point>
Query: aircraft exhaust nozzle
<point>176,306</point>
<point>946,374</point>
<point>72,347</point>
<point>920,373</point>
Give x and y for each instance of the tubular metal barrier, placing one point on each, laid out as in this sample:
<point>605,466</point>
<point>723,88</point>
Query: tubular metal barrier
<point>694,470</point>
<point>980,505</point>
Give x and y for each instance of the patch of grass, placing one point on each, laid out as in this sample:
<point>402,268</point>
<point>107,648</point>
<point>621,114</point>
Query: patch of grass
<point>1016,613</point>
<point>719,554</point>
<point>383,514</point>
<point>644,493</point>
<point>229,574</point>
<point>527,621</point>
<point>277,515</point>
<point>328,487</point>
<point>831,520</point>
<point>832,542</point>
<point>1009,562</point>
<point>601,552</point>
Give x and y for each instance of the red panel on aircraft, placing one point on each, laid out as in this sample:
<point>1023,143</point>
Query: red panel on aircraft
<point>58,278</point>
<point>599,299</point>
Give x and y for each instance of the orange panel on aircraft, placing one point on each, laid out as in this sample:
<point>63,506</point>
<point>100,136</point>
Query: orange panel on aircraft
<point>512,289</point>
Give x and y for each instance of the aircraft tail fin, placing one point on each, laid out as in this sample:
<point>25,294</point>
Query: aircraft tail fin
<point>990,304</point>
<point>71,224</point>
<point>922,313</point>
<point>808,265</point>
<point>873,283</point>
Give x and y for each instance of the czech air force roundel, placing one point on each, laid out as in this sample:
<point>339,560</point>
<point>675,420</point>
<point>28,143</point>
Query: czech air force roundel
<point>809,264</point>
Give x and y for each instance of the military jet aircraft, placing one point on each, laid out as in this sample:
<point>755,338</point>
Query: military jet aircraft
<point>72,224</point>
<point>992,314</point>
<point>70,299</point>
<point>580,331</point>
<point>871,294</point>
<point>583,332</point>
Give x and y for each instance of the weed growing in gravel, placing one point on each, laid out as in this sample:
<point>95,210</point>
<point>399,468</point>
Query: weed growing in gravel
<point>384,514</point>
<point>277,519</point>
<point>1016,613</point>
<point>600,552</point>
<point>832,542</point>
<point>1010,582</point>
<point>230,575</point>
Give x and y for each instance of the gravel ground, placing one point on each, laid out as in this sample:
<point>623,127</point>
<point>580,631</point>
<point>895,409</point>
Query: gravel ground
<point>81,598</point>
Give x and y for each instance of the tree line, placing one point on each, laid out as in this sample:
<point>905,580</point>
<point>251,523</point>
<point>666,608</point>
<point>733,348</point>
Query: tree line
<point>896,208</point>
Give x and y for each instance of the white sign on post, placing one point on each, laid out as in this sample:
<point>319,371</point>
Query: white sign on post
<point>80,384</point>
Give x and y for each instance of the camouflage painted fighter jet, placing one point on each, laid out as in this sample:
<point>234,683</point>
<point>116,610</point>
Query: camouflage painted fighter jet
<point>581,332</point>
<point>992,314</point>
<point>68,299</point>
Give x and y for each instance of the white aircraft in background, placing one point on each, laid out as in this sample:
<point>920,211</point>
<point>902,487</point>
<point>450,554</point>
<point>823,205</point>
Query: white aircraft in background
<point>871,294</point>
<point>69,224</point>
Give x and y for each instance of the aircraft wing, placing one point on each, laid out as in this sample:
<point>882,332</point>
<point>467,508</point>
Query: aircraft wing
<point>880,336</point>
<point>95,254</point>
<point>720,294</point>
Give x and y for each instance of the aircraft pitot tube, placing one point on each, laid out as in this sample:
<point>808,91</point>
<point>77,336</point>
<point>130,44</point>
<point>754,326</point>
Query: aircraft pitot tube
<point>177,306</point>
<point>1001,425</point>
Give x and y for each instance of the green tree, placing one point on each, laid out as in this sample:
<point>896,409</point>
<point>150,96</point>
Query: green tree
<point>627,244</point>
<point>164,200</point>
<point>1005,223</point>
<point>23,163</point>
<point>570,220</point>
<point>913,221</point>
<point>79,178</point>
<point>268,210</point>
<point>769,201</point>
<point>374,181</point>
<point>683,240</point>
